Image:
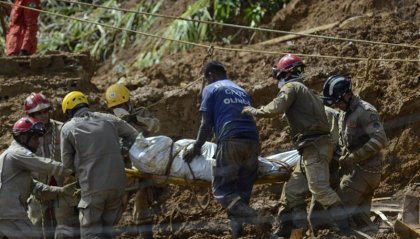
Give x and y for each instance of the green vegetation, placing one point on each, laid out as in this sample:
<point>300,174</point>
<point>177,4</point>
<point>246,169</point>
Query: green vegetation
<point>62,34</point>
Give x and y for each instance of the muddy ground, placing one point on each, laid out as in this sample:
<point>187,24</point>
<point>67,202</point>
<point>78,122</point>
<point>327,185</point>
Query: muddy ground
<point>393,87</point>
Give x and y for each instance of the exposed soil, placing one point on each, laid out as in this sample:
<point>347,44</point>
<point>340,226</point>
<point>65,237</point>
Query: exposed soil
<point>393,87</point>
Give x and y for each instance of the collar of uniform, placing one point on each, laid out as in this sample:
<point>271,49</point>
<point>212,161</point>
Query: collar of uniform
<point>81,112</point>
<point>354,102</point>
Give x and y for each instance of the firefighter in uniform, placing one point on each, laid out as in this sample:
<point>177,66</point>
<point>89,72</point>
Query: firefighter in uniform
<point>362,136</point>
<point>117,98</point>
<point>90,146</point>
<point>21,38</point>
<point>310,131</point>
<point>17,163</point>
<point>61,212</point>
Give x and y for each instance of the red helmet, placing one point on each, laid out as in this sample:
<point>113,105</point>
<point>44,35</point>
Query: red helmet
<point>28,125</point>
<point>36,102</point>
<point>286,64</point>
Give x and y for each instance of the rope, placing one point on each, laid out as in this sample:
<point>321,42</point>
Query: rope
<point>215,47</point>
<point>244,27</point>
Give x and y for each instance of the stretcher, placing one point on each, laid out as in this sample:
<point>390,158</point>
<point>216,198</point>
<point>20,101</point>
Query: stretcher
<point>159,159</point>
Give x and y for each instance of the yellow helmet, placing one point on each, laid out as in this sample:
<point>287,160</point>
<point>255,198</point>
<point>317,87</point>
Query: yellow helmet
<point>116,94</point>
<point>73,99</point>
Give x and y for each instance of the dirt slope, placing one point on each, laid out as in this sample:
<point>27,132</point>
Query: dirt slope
<point>393,87</point>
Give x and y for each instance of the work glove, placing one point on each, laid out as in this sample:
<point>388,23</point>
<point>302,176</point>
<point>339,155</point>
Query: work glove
<point>23,52</point>
<point>67,172</point>
<point>347,163</point>
<point>191,153</point>
<point>69,190</point>
<point>152,125</point>
<point>249,110</point>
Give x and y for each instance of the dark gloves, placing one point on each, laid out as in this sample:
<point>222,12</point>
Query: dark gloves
<point>191,153</point>
<point>347,163</point>
<point>23,52</point>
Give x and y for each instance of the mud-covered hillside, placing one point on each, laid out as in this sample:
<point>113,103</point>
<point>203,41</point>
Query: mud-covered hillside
<point>390,86</point>
<point>393,87</point>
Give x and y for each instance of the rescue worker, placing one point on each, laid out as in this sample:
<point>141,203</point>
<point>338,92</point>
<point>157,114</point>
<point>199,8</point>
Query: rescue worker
<point>16,182</point>
<point>237,150</point>
<point>21,38</point>
<point>362,136</point>
<point>117,98</point>
<point>90,147</point>
<point>310,131</point>
<point>60,213</point>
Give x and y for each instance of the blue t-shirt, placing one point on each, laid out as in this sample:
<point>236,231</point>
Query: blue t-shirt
<point>224,100</point>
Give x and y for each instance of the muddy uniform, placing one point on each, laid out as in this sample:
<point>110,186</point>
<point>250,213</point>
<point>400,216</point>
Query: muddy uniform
<point>144,122</point>
<point>16,184</point>
<point>362,134</point>
<point>90,147</point>
<point>63,210</point>
<point>317,215</point>
<point>310,130</point>
<point>23,27</point>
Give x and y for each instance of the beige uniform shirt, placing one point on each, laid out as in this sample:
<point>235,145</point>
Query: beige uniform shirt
<point>16,183</point>
<point>332,116</point>
<point>362,133</point>
<point>90,147</point>
<point>304,110</point>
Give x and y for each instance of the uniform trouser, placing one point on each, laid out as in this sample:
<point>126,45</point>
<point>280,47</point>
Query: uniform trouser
<point>19,229</point>
<point>99,212</point>
<point>42,216</point>
<point>64,223</point>
<point>234,173</point>
<point>67,218</point>
<point>356,192</point>
<point>143,211</point>
<point>312,175</point>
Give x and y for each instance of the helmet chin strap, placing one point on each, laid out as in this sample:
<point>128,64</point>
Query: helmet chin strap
<point>347,102</point>
<point>26,144</point>
<point>295,77</point>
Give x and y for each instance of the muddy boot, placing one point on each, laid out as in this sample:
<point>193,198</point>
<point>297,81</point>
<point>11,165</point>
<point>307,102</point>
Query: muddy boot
<point>364,223</point>
<point>318,218</point>
<point>242,213</point>
<point>339,215</point>
<point>236,227</point>
<point>146,231</point>
<point>300,217</point>
<point>285,223</point>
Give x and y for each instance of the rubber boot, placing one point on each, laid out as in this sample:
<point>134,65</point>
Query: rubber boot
<point>339,215</point>
<point>300,217</point>
<point>236,227</point>
<point>318,218</point>
<point>243,213</point>
<point>285,222</point>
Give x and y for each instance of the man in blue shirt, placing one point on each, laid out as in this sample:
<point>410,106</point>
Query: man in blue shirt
<point>238,147</point>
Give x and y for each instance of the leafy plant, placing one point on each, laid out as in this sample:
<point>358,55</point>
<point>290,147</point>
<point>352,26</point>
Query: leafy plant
<point>177,30</point>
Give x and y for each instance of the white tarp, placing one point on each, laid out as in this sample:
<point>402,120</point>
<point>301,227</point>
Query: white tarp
<point>152,155</point>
